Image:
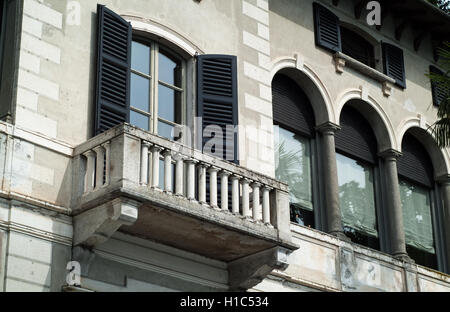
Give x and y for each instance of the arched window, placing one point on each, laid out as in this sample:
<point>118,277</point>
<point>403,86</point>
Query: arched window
<point>293,131</point>
<point>416,181</point>
<point>156,87</point>
<point>356,157</point>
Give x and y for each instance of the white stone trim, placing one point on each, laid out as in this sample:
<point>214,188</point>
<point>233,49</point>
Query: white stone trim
<point>178,40</point>
<point>36,139</point>
<point>362,93</point>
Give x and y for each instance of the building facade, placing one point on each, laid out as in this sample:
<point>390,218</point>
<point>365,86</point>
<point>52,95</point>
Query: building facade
<point>208,145</point>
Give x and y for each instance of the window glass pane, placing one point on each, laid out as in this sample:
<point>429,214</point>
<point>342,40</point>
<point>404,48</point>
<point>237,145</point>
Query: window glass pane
<point>140,92</point>
<point>165,130</point>
<point>417,216</point>
<point>169,104</point>
<point>139,120</point>
<point>168,100</point>
<point>293,166</point>
<point>140,57</point>
<point>356,195</point>
<point>169,69</point>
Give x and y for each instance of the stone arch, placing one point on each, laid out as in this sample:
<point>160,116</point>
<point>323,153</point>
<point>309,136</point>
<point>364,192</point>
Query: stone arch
<point>309,81</point>
<point>421,130</point>
<point>375,115</point>
<point>163,34</point>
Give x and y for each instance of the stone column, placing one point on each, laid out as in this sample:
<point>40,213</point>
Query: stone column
<point>393,209</point>
<point>213,186</point>
<point>445,199</point>
<point>330,179</point>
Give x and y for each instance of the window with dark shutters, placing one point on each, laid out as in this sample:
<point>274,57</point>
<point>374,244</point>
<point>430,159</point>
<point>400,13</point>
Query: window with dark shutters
<point>217,101</point>
<point>327,30</point>
<point>356,138</point>
<point>394,64</point>
<point>113,70</point>
<point>291,106</point>
<point>415,164</point>
<point>439,91</point>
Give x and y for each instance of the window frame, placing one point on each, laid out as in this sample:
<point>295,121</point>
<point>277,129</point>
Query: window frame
<point>154,83</point>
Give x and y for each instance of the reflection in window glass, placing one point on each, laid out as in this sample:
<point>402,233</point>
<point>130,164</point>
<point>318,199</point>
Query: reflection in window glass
<point>165,130</point>
<point>140,57</point>
<point>139,120</point>
<point>168,100</point>
<point>356,197</point>
<point>293,166</point>
<point>140,93</point>
<point>417,216</point>
<point>169,69</point>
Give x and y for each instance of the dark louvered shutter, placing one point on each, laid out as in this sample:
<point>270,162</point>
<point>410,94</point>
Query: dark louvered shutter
<point>394,65</point>
<point>291,106</point>
<point>439,91</point>
<point>217,99</point>
<point>415,164</point>
<point>327,30</point>
<point>356,138</point>
<point>113,70</point>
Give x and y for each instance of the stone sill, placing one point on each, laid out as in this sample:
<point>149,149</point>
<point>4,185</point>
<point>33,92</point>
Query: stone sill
<point>341,60</point>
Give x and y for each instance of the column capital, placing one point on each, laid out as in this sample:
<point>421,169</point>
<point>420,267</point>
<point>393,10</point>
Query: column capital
<point>246,180</point>
<point>146,143</point>
<point>328,127</point>
<point>266,188</point>
<point>390,153</point>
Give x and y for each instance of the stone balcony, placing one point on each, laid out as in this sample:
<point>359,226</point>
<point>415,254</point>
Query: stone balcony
<point>136,182</point>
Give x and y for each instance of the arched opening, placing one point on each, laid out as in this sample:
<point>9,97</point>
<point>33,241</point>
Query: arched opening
<point>294,133</point>
<point>357,165</point>
<point>418,199</point>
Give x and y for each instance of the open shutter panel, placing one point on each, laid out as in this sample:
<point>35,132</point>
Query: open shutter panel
<point>394,65</point>
<point>217,99</point>
<point>327,30</point>
<point>439,92</point>
<point>113,70</point>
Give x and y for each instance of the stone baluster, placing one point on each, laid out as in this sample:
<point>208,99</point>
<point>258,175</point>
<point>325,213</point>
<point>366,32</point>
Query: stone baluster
<point>224,190</point>
<point>179,175</point>
<point>266,205</point>
<point>202,183</point>
<point>191,178</point>
<point>167,171</point>
<point>144,162</point>
<point>235,194</point>
<point>213,186</point>
<point>245,198</point>
<point>255,208</point>
<point>107,147</point>
<point>89,178</point>
<point>155,165</point>
<point>99,165</point>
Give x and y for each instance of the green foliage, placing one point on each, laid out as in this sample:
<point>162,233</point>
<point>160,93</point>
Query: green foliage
<point>444,5</point>
<point>441,128</point>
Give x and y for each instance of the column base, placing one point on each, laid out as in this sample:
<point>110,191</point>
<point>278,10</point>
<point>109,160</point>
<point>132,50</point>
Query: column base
<point>341,236</point>
<point>403,257</point>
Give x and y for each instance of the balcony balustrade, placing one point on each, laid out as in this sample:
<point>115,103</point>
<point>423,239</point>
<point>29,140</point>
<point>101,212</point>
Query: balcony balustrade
<point>151,187</point>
